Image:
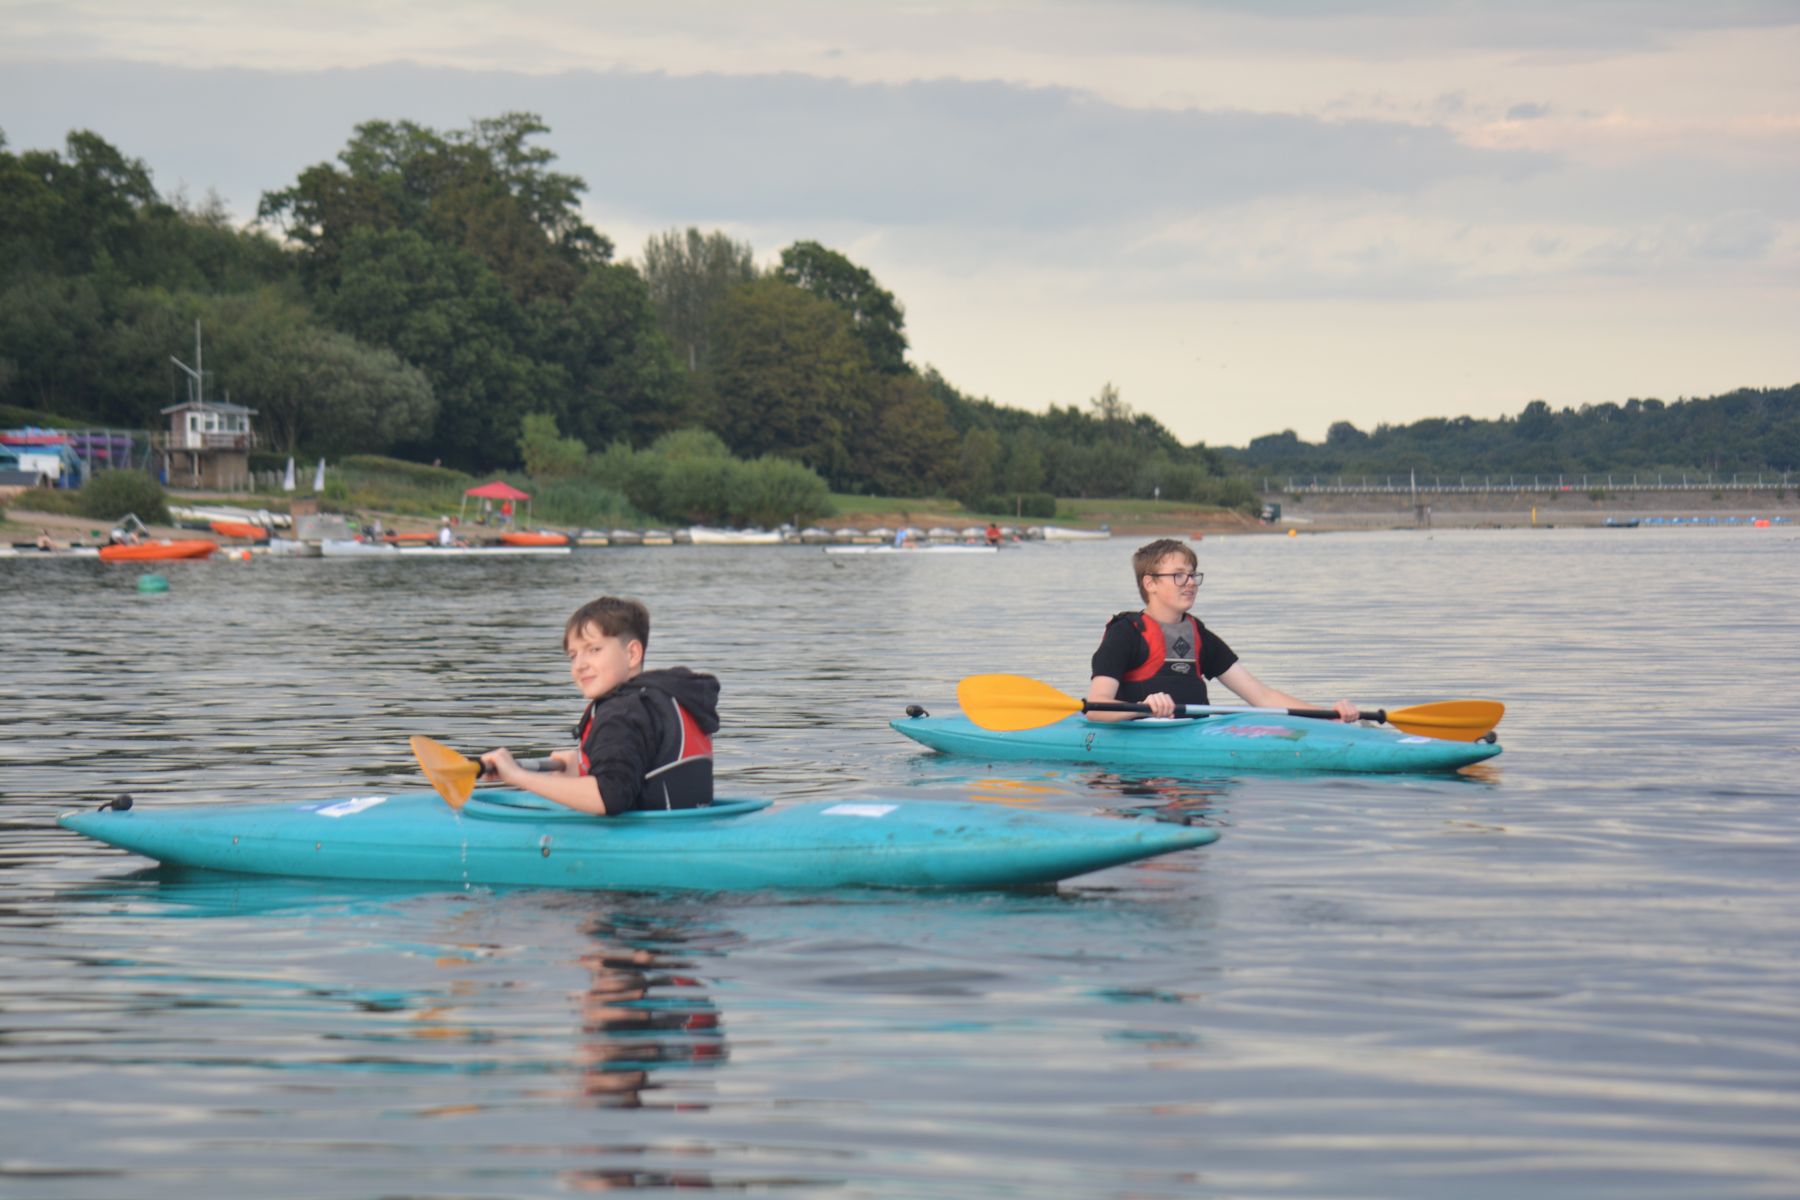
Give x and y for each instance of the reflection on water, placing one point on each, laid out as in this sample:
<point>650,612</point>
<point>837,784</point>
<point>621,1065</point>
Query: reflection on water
<point>1570,971</point>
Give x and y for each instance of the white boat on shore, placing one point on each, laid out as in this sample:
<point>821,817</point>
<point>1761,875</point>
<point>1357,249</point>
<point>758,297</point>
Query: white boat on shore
<point>1061,533</point>
<point>706,535</point>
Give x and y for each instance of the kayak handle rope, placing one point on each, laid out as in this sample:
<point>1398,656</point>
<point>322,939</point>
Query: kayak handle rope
<point>121,803</point>
<point>914,710</point>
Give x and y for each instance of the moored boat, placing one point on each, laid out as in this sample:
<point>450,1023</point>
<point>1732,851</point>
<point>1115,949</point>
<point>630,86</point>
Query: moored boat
<point>503,837</point>
<point>540,537</point>
<point>1235,741</point>
<point>161,550</point>
<point>245,530</point>
<point>705,535</point>
<point>1062,533</point>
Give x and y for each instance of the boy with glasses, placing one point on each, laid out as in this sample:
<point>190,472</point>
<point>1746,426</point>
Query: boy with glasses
<point>1163,656</point>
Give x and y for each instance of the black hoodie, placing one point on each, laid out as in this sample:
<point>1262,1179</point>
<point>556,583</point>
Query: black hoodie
<point>640,751</point>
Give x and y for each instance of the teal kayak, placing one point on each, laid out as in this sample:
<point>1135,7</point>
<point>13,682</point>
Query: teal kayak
<point>505,837</point>
<point>1233,742</point>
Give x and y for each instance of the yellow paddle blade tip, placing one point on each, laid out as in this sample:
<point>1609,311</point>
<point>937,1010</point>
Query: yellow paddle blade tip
<point>1006,703</point>
<point>451,775</point>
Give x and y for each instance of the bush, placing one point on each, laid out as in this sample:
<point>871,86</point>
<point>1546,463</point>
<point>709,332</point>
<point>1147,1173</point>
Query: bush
<point>582,503</point>
<point>772,490</point>
<point>111,494</point>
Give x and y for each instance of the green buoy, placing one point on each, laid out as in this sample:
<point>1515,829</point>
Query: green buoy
<point>152,583</point>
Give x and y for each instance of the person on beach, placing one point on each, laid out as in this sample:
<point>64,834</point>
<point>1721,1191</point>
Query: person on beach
<point>445,535</point>
<point>645,740</point>
<point>992,534</point>
<point>1162,655</point>
<point>45,541</point>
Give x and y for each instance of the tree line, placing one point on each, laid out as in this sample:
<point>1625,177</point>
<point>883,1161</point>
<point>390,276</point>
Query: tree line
<point>428,293</point>
<point>1750,429</point>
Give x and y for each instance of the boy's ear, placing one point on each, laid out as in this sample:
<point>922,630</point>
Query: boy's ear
<point>634,654</point>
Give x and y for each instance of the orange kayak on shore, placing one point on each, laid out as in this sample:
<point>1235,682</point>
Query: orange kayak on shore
<point>239,529</point>
<point>154,551</point>
<point>535,539</point>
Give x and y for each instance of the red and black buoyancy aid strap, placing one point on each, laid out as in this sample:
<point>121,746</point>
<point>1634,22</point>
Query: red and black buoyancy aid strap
<point>682,776</point>
<point>1159,652</point>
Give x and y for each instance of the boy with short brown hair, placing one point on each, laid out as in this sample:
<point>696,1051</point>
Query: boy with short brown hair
<point>645,740</point>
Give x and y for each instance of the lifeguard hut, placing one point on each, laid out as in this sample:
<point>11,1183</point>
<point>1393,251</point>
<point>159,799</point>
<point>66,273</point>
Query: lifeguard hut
<point>207,444</point>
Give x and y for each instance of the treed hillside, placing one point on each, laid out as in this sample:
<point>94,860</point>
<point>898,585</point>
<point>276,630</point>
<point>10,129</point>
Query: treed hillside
<point>1746,430</point>
<point>427,292</point>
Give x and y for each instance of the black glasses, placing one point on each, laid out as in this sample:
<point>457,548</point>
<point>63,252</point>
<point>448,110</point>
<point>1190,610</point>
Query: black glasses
<point>1180,578</point>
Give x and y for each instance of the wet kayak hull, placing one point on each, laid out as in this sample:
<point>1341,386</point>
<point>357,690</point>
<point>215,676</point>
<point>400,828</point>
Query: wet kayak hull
<point>1238,742</point>
<point>511,838</point>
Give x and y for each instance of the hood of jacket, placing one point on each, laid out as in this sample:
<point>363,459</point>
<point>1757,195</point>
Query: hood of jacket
<point>695,691</point>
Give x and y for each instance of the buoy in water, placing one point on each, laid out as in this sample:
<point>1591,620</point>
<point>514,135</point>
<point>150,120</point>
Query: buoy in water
<point>152,583</point>
<point>1293,533</point>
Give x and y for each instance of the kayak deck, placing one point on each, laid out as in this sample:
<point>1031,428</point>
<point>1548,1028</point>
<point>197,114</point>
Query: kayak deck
<point>1238,741</point>
<point>515,838</point>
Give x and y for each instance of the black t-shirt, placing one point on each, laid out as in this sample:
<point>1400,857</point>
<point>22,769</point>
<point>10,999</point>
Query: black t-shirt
<point>1123,649</point>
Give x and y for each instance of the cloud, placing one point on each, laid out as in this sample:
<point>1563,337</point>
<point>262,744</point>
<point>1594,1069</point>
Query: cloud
<point>756,148</point>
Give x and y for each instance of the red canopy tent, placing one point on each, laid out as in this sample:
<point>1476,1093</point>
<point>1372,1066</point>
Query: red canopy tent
<point>497,490</point>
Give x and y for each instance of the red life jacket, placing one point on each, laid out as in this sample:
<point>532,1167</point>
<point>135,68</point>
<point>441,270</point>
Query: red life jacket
<point>1155,674</point>
<point>680,775</point>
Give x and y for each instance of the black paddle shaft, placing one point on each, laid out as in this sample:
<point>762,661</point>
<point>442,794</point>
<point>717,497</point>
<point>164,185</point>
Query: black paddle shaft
<point>1379,716</point>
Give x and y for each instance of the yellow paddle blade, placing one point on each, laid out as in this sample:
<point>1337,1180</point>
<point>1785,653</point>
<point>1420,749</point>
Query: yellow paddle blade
<point>450,774</point>
<point>1005,703</point>
<point>1452,720</point>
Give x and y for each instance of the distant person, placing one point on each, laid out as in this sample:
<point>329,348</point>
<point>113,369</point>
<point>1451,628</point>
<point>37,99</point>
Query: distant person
<point>645,740</point>
<point>45,541</point>
<point>993,534</point>
<point>446,536</point>
<point>1162,655</point>
<point>506,511</point>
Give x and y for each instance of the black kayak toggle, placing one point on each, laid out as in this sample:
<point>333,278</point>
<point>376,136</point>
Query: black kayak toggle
<point>119,803</point>
<point>914,710</point>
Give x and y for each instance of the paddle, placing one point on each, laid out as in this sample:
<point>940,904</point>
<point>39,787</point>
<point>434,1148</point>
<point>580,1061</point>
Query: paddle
<point>1013,702</point>
<point>452,776</point>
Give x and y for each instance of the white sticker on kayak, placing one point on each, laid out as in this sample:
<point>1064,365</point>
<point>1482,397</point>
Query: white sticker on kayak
<point>859,810</point>
<point>354,804</point>
<point>1412,740</point>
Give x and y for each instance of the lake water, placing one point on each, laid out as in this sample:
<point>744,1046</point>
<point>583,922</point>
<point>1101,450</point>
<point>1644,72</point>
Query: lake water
<point>1573,971</point>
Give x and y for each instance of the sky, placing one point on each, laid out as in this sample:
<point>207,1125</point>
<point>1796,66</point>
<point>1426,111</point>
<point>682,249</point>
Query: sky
<point>1249,216</point>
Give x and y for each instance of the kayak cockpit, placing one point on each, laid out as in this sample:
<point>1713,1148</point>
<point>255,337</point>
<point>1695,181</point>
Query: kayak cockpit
<point>504,804</point>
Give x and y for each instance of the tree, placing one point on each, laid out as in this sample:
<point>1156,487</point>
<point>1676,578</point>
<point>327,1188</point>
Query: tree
<point>909,448</point>
<point>444,311</point>
<point>980,464</point>
<point>545,452</point>
<point>485,191</point>
<point>790,378</point>
<point>313,387</point>
<point>688,276</point>
<point>875,315</point>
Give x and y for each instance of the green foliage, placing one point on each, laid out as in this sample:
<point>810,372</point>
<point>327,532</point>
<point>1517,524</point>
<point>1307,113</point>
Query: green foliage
<point>111,494</point>
<point>52,500</point>
<point>689,478</point>
<point>583,504</point>
<point>688,276</point>
<point>1748,430</point>
<point>790,378</point>
<point>876,317</point>
<point>546,453</point>
<point>467,257</point>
